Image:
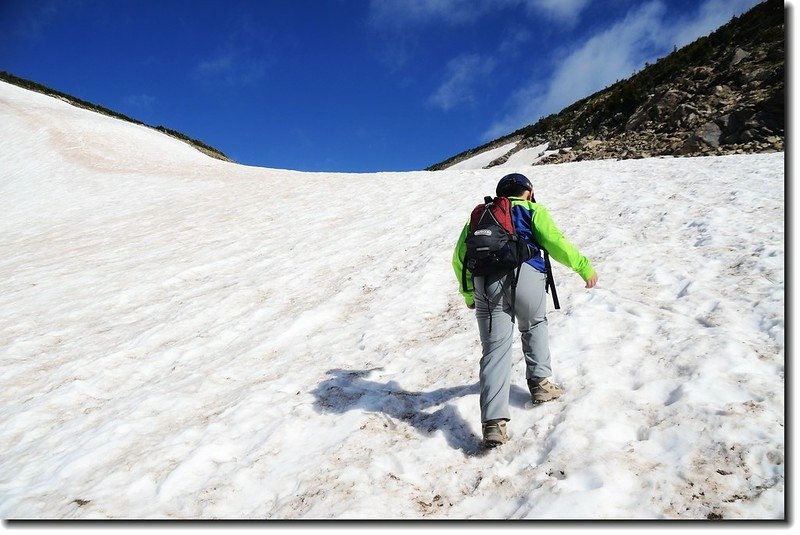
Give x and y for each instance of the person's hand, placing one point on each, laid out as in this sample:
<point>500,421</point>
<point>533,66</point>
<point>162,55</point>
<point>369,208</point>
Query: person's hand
<point>591,281</point>
<point>471,307</point>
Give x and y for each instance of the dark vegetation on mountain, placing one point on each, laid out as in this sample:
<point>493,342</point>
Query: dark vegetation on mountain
<point>721,94</point>
<point>35,86</point>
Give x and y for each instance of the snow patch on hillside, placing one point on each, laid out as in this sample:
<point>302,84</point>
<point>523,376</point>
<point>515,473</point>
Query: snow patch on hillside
<point>527,156</point>
<point>483,159</point>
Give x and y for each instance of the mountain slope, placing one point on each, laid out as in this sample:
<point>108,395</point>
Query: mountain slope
<point>183,337</point>
<point>34,86</point>
<point>722,94</point>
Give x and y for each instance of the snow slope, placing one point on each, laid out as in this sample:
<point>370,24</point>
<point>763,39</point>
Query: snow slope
<point>182,337</point>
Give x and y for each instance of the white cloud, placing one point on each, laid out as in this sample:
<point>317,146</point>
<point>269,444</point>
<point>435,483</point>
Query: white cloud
<point>238,58</point>
<point>220,63</point>
<point>396,20</point>
<point>462,76</point>
<point>513,40</point>
<point>232,66</point>
<point>398,14</point>
<point>564,11</point>
<point>140,102</point>
<point>711,15</point>
<point>610,55</point>
<point>604,58</point>
<point>41,16</point>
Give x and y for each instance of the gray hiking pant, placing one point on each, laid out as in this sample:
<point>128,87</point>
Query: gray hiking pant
<point>493,296</point>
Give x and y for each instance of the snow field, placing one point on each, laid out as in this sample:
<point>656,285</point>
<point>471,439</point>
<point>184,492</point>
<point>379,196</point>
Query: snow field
<point>187,338</point>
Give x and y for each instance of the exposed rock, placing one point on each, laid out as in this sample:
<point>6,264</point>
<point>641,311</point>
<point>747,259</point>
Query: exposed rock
<point>747,136</point>
<point>682,114</point>
<point>701,73</point>
<point>709,134</point>
<point>738,56</point>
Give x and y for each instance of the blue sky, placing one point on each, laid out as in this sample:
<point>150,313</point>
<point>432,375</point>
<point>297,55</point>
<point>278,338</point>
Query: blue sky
<point>344,85</point>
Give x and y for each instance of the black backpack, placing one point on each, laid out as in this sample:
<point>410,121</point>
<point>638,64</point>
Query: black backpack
<point>492,242</point>
<point>493,246</point>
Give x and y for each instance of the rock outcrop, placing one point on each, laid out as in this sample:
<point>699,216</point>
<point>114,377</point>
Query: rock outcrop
<point>722,94</point>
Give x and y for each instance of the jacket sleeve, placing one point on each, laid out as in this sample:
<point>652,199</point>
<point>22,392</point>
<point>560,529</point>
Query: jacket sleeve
<point>458,264</point>
<point>551,238</point>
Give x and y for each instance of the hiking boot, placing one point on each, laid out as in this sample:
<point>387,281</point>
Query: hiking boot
<point>494,433</point>
<point>542,389</point>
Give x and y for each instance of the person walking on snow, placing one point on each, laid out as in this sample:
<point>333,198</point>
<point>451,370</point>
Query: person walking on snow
<point>532,223</point>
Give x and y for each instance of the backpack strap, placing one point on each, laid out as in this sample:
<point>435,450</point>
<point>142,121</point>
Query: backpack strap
<point>464,276</point>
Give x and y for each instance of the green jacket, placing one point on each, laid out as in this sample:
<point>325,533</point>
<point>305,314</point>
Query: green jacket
<point>532,221</point>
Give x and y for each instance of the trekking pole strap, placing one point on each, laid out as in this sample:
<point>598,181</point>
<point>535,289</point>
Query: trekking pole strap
<point>550,281</point>
<point>514,282</point>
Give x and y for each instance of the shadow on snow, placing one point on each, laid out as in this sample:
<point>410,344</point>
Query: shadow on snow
<point>347,390</point>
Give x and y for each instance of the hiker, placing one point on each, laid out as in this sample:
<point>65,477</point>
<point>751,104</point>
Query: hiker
<point>498,304</point>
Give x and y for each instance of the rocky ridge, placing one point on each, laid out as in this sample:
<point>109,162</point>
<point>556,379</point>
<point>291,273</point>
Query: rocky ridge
<point>722,94</point>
